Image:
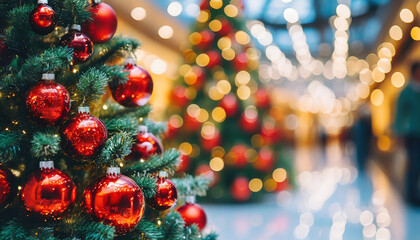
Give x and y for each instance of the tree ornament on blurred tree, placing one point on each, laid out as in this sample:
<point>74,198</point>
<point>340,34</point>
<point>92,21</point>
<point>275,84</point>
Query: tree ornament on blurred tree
<point>179,97</point>
<point>191,123</point>
<point>82,46</point>
<point>206,171</point>
<point>214,59</point>
<point>270,133</point>
<point>137,90</point>
<point>103,24</point>
<point>265,160</point>
<point>207,39</point>
<point>49,192</point>
<point>43,19</point>
<point>5,53</point>
<point>200,77</point>
<point>238,156</point>
<point>240,62</point>
<point>115,200</point>
<point>48,102</point>
<point>84,135</point>
<point>6,185</point>
<point>204,4</point>
<point>281,186</point>
<point>145,146</point>
<point>249,121</point>
<point>262,99</point>
<point>192,213</point>
<point>185,163</point>
<point>210,139</point>
<point>240,189</point>
<point>226,27</point>
<point>230,104</point>
<point>166,193</point>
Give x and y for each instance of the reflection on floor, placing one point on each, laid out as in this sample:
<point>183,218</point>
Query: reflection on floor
<point>333,201</point>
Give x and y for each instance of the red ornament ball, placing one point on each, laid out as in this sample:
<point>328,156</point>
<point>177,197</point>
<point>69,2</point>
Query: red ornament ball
<point>206,171</point>
<point>211,140</point>
<point>5,53</point>
<point>103,24</point>
<point>115,200</point>
<point>214,59</point>
<point>240,62</point>
<point>179,97</point>
<point>265,160</point>
<point>191,123</point>
<point>79,42</point>
<point>240,189</point>
<point>49,192</point>
<point>204,4</point>
<point>207,39</point>
<point>6,181</point>
<point>281,186</point>
<point>166,194</point>
<point>145,146</point>
<point>270,133</point>
<point>48,103</point>
<point>192,213</point>
<point>43,19</point>
<point>249,121</point>
<point>226,27</point>
<point>185,163</point>
<point>262,99</point>
<point>238,155</point>
<point>137,90</point>
<point>230,104</point>
<point>83,136</point>
<point>201,77</point>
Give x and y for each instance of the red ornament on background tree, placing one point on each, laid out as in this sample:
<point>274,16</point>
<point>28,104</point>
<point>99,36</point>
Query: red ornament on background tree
<point>270,133</point>
<point>137,90</point>
<point>226,27</point>
<point>265,160</point>
<point>166,193</point>
<point>145,146</point>
<point>249,121</point>
<point>204,5</point>
<point>79,42</point>
<point>238,155</point>
<point>185,163</point>
<point>262,99</point>
<point>210,141</point>
<point>179,97</point>
<point>207,39</point>
<point>201,77</point>
<point>49,192</point>
<point>48,102</point>
<point>240,62</point>
<point>206,171</point>
<point>281,186</point>
<point>230,104</point>
<point>6,185</point>
<point>191,123</point>
<point>115,200</point>
<point>214,58</point>
<point>5,53</point>
<point>192,213</point>
<point>84,135</point>
<point>240,189</point>
<point>103,24</point>
<point>43,19</point>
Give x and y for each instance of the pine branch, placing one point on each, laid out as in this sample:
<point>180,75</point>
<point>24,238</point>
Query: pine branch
<point>190,185</point>
<point>126,124</point>
<point>146,183</point>
<point>88,229</point>
<point>114,109</point>
<point>45,144</point>
<point>117,146</point>
<point>156,128</point>
<point>9,145</point>
<point>150,230</point>
<point>71,11</point>
<point>20,35</point>
<point>192,233</point>
<point>113,49</point>
<point>211,236</point>
<point>173,227</point>
<point>167,161</point>
<point>12,230</point>
<point>115,72</point>
<point>91,86</point>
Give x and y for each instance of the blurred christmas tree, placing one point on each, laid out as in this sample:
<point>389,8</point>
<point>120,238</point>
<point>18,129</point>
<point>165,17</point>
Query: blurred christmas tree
<point>221,111</point>
<point>59,132</point>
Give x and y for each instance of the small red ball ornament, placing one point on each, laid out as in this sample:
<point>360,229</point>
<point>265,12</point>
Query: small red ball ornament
<point>265,160</point>
<point>145,146</point>
<point>166,193</point>
<point>240,189</point>
<point>79,42</point>
<point>240,62</point>
<point>207,39</point>
<point>238,155</point>
<point>179,97</point>
<point>191,123</point>
<point>6,181</point>
<point>48,102</point>
<point>185,163</point>
<point>201,77</point>
<point>43,19</point>
<point>137,90</point>
<point>281,186</point>
<point>249,121</point>
<point>115,200</point>
<point>270,133</point>
<point>211,140</point>
<point>262,99</point>
<point>226,27</point>
<point>206,171</point>
<point>230,104</point>
<point>49,192</point>
<point>84,135</point>
<point>204,4</point>
<point>103,24</point>
<point>214,59</point>
<point>192,213</point>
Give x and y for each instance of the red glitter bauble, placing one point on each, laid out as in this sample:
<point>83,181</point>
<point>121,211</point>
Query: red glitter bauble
<point>265,160</point>
<point>249,122</point>
<point>240,189</point>
<point>230,104</point>
<point>5,53</point>
<point>137,90</point>
<point>79,42</point>
<point>207,39</point>
<point>145,146</point>
<point>49,192</point>
<point>43,19</point>
<point>226,27</point>
<point>214,59</point>
<point>206,171</point>
<point>240,62</point>
<point>262,99</point>
<point>185,163</point>
<point>115,200</point>
<point>166,194</point>
<point>48,103</point>
<point>179,97</point>
<point>238,155</point>
<point>208,142</point>
<point>83,136</point>
<point>6,181</point>
<point>103,24</point>
<point>192,213</point>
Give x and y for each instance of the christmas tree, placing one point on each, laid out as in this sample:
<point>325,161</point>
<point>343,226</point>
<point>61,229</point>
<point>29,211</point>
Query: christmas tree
<point>221,111</point>
<point>60,130</point>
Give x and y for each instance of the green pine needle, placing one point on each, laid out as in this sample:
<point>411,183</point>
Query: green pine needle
<point>71,11</point>
<point>118,124</point>
<point>146,183</point>
<point>117,146</point>
<point>12,230</point>
<point>9,145</point>
<point>91,86</point>
<point>173,227</point>
<point>150,230</point>
<point>156,128</point>
<point>190,185</point>
<point>45,144</point>
<point>114,109</point>
<point>166,161</point>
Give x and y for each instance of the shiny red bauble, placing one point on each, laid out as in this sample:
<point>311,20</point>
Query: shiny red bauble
<point>240,62</point>
<point>137,90</point>
<point>79,42</point>
<point>83,136</point>
<point>238,156</point>
<point>49,193</point>
<point>201,77</point>
<point>179,97</point>
<point>214,59</point>
<point>270,133</point>
<point>145,146</point>
<point>166,194</point>
<point>115,200</point>
<point>48,103</point>
<point>206,171</point>
<point>185,163</point>
<point>192,213</point>
<point>226,27</point>
<point>240,189</point>
<point>230,104</point>
<point>207,39</point>
<point>43,19</point>
<point>6,181</point>
<point>204,4</point>
<point>208,142</point>
<point>103,24</point>
<point>265,160</point>
<point>5,53</point>
<point>262,99</point>
<point>249,122</point>
<point>191,123</point>
<point>282,186</point>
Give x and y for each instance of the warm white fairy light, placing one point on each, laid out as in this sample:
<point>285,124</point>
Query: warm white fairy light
<point>341,25</point>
